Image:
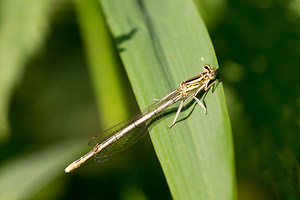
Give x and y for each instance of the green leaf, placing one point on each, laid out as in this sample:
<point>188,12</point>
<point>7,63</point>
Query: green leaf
<point>22,30</point>
<point>161,44</point>
<point>103,61</point>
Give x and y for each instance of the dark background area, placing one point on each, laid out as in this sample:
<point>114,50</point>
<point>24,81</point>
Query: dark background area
<point>258,47</point>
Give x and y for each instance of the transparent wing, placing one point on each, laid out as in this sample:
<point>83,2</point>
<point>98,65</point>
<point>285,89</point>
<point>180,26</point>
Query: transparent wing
<point>122,144</point>
<point>134,135</point>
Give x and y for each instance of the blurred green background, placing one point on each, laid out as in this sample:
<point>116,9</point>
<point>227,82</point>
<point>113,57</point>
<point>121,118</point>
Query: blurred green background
<point>48,107</point>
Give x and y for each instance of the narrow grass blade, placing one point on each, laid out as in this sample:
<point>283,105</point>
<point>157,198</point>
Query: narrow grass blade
<point>22,178</point>
<point>103,61</point>
<point>162,43</point>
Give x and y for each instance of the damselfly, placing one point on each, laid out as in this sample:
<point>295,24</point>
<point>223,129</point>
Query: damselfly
<point>187,89</point>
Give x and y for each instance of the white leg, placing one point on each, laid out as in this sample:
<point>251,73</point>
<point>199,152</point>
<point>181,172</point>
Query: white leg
<point>196,93</point>
<point>206,87</point>
<point>209,86</point>
<point>200,103</point>
<point>177,113</point>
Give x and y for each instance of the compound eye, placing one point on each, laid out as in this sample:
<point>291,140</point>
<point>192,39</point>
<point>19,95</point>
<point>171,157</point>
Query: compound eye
<point>213,75</point>
<point>206,67</point>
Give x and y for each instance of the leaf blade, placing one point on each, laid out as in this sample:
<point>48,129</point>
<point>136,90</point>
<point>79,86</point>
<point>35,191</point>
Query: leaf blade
<point>169,44</point>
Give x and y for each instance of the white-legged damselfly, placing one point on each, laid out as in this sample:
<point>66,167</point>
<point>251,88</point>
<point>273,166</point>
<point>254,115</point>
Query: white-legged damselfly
<point>114,139</point>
